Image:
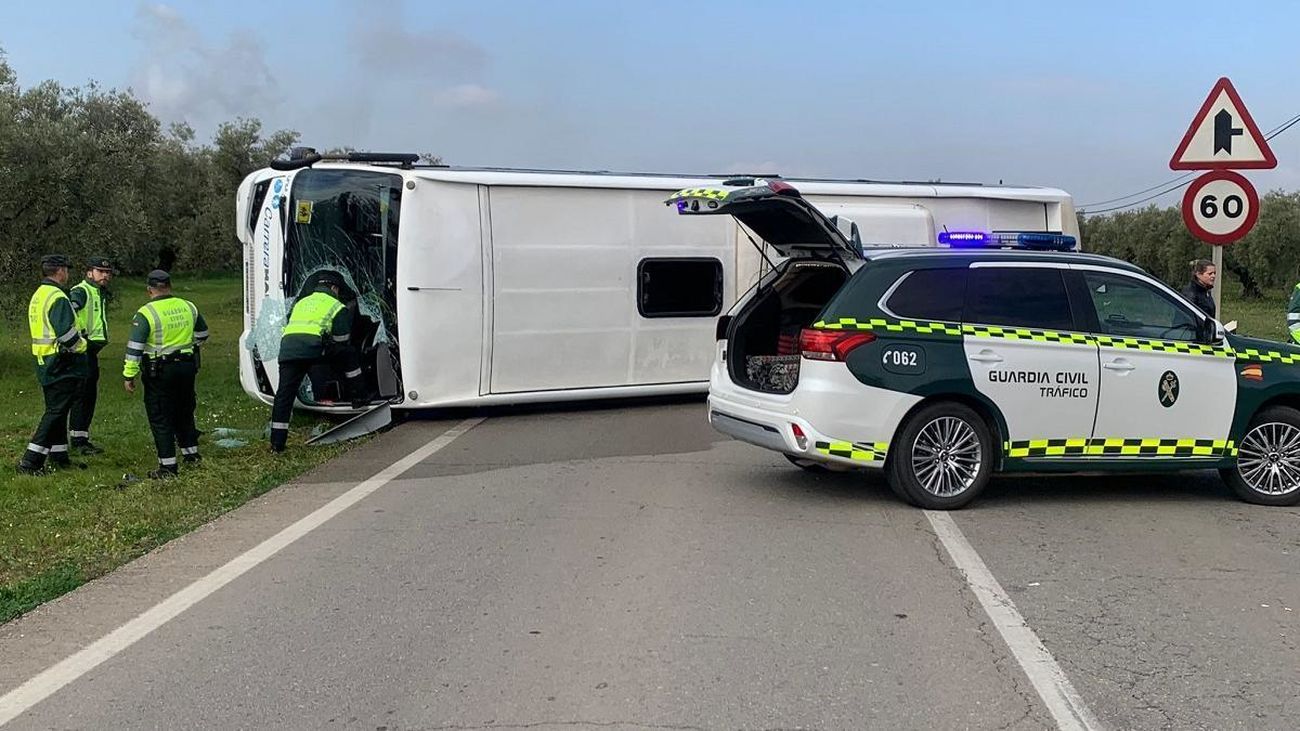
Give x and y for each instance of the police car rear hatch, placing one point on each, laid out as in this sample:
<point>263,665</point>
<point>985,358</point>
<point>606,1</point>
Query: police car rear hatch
<point>778,214</point>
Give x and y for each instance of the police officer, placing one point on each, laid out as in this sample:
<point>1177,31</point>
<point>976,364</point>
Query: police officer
<point>1198,290</point>
<point>319,331</point>
<point>163,349</point>
<point>60,353</point>
<point>89,298</point>
<point>1293,315</point>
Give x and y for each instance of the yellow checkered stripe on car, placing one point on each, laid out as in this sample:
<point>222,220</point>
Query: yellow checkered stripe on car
<point>859,451</point>
<point>1126,448</point>
<point>1267,356</point>
<point>716,194</point>
<point>1164,346</point>
<point>1015,333</point>
<point>879,324</point>
<point>876,323</point>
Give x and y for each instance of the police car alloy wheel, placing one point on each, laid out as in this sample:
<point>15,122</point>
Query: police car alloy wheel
<point>943,457</point>
<point>1268,459</point>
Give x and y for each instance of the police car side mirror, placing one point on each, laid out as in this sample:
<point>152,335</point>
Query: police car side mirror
<point>1208,331</point>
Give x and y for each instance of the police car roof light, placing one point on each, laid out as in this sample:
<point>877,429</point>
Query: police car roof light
<point>965,238</point>
<point>1039,240</point>
<point>1036,240</point>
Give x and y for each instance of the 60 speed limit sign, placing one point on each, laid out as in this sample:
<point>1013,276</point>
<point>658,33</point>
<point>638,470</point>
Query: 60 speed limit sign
<point>1220,207</point>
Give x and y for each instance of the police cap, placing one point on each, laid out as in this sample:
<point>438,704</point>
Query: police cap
<point>55,260</point>
<point>159,277</point>
<point>329,279</point>
<point>99,262</point>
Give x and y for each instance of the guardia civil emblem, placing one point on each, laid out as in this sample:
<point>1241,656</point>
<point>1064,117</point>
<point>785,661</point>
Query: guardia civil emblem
<point>1168,391</point>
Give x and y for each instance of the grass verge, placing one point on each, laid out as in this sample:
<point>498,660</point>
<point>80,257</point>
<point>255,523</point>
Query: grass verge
<point>60,530</point>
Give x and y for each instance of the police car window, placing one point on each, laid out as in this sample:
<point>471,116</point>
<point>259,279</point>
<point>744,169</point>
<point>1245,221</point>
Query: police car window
<point>930,294</point>
<point>1018,297</point>
<point>1131,308</point>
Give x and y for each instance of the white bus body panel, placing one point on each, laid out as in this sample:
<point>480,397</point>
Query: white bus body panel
<point>521,287</point>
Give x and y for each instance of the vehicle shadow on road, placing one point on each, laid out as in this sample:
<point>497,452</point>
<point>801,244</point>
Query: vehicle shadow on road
<point>786,482</point>
<point>1203,486</point>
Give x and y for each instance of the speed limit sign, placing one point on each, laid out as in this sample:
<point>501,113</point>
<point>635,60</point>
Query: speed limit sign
<point>1220,207</point>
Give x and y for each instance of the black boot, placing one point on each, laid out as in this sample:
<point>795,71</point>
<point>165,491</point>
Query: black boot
<point>64,464</point>
<point>84,447</point>
<point>29,468</point>
<point>164,472</point>
<point>193,459</point>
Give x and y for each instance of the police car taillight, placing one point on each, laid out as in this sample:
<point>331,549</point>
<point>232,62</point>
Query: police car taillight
<point>834,345</point>
<point>800,439</point>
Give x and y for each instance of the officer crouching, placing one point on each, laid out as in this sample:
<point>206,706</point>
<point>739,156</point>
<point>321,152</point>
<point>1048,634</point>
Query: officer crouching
<point>163,349</point>
<point>319,330</point>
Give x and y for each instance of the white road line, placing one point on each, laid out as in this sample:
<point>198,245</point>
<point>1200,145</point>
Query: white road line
<point>45,684</point>
<point>1062,700</point>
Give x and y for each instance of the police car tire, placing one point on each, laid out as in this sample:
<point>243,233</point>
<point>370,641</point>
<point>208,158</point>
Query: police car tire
<point>1232,475</point>
<point>902,477</point>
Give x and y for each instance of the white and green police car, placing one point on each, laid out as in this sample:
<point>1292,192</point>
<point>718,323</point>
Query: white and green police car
<point>1001,351</point>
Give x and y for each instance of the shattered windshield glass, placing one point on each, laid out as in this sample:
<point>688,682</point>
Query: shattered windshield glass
<point>344,221</point>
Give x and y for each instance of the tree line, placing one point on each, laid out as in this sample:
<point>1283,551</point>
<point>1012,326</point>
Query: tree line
<point>85,170</point>
<point>1155,238</point>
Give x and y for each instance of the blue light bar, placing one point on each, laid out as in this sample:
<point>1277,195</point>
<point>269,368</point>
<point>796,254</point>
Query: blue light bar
<point>1040,240</point>
<point>965,238</point>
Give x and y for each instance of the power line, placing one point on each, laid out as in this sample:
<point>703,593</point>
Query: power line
<point>1176,183</point>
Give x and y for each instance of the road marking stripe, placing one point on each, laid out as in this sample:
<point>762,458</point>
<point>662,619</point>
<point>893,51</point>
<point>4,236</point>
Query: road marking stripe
<point>49,681</point>
<point>1062,700</point>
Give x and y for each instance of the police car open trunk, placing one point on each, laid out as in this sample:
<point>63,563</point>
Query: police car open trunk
<point>763,335</point>
<point>345,221</point>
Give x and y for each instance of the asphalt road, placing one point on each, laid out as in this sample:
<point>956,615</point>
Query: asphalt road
<point>629,568</point>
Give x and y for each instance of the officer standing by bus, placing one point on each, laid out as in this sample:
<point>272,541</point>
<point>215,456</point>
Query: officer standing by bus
<point>1293,315</point>
<point>89,298</point>
<point>163,349</point>
<point>60,353</point>
<point>319,331</point>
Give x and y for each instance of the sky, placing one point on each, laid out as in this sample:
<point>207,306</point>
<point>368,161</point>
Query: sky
<point>1091,97</point>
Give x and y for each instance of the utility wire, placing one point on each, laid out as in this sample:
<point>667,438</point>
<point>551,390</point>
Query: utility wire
<point>1170,186</point>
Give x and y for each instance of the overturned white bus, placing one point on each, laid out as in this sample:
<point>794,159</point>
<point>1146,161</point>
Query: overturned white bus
<point>491,286</point>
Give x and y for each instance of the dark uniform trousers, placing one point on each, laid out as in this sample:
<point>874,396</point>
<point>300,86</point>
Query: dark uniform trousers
<point>291,374</point>
<point>83,407</point>
<point>51,437</point>
<point>169,403</point>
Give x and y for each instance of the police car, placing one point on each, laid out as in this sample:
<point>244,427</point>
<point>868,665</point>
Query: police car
<point>994,352</point>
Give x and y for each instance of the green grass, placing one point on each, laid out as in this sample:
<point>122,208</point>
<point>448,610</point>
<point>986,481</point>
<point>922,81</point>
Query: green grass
<point>62,529</point>
<point>1258,318</point>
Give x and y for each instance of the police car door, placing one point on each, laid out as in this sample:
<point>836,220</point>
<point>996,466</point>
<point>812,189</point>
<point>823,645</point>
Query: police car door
<point>1158,384</point>
<point>1030,358</point>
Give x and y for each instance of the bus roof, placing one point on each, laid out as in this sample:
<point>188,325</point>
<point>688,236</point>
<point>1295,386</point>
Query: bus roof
<point>672,182</point>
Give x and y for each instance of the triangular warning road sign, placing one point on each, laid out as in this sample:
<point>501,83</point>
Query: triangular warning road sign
<point>1223,136</point>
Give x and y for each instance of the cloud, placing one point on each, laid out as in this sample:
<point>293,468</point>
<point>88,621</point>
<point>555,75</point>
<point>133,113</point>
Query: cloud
<point>185,77</point>
<point>466,96</point>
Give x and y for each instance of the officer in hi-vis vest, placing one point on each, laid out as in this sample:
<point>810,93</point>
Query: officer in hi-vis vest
<point>89,298</point>
<point>319,330</point>
<point>60,353</point>
<point>164,351</point>
<point>1293,315</point>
